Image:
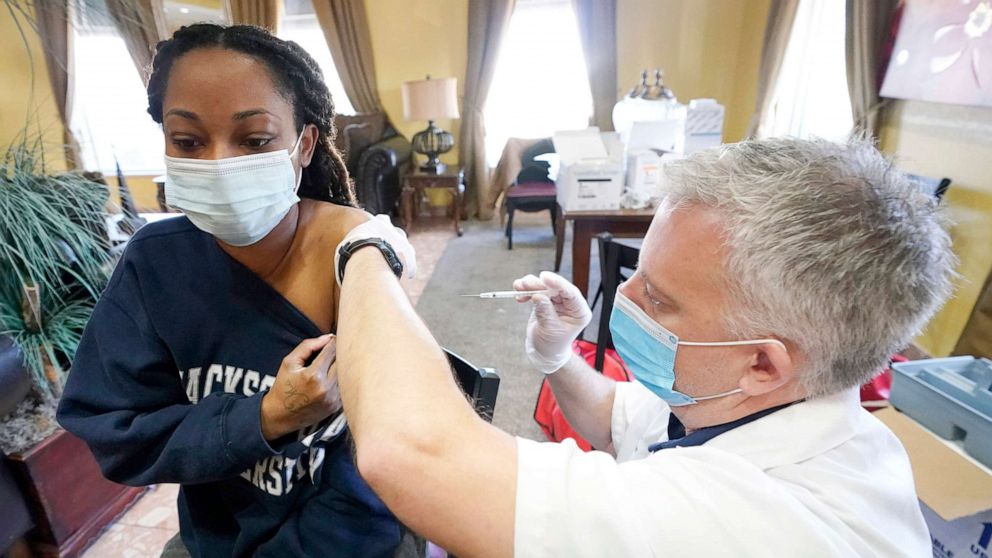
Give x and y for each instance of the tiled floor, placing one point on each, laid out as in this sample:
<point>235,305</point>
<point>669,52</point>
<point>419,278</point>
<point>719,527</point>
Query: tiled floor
<point>143,530</point>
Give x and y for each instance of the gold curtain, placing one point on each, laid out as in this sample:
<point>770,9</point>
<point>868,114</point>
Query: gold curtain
<point>597,21</point>
<point>263,13</point>
<point>781,16</point>
<point>865,36</point>
<point>346,29</point>
<point>141,24</point>
<point>487,23</point>
<point>53,22</point>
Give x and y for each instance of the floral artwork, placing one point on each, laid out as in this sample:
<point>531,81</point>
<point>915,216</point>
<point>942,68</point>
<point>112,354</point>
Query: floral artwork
<point>943,53</point>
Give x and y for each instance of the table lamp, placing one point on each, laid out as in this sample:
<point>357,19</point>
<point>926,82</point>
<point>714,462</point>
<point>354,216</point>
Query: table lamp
<point>430,100</point>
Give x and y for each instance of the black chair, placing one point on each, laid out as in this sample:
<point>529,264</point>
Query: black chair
<point>614,258</point>
<point>936,187</point>
<point>532,190</point>
<point>481,385</point>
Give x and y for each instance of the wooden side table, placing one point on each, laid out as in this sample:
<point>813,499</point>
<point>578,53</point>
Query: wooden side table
<point>414,183</point>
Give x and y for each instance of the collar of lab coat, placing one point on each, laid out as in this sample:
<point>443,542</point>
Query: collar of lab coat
<point>796,433</point>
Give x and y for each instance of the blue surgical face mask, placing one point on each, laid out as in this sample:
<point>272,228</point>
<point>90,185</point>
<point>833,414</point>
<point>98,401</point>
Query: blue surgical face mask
<point>648,350</point>
<point>239,199</point>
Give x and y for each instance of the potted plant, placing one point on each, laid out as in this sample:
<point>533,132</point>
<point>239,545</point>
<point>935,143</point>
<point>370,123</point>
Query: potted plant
<point>55,259</point>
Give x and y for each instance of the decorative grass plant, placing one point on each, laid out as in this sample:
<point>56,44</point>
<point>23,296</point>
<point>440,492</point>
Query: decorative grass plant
<point>54,259</point>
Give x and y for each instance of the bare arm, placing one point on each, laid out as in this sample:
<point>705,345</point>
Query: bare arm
<point>586,398</point>
<point>443,471</point>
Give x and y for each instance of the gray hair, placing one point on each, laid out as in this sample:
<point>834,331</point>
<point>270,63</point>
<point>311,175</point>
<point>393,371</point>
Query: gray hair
<point>829,246</point>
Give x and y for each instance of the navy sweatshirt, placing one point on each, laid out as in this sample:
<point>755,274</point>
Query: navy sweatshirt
<point>166,387</point>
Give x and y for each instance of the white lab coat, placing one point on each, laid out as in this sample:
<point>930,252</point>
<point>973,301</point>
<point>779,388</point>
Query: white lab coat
<point>820,478</point>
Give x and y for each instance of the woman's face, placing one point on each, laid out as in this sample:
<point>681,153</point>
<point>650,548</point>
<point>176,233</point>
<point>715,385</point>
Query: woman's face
<point>220,103</point>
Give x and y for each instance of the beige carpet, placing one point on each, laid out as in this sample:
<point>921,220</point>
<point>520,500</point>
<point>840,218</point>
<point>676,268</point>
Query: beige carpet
<point>491,332</point>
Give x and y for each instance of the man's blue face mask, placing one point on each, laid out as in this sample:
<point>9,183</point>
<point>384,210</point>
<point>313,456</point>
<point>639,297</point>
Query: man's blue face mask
<point>648,350</point>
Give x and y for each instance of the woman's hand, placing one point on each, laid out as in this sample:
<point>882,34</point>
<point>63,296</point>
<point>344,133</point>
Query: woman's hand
<point>302,395</point>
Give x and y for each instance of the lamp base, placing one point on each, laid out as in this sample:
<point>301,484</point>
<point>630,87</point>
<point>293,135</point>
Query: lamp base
<point>432,142</point>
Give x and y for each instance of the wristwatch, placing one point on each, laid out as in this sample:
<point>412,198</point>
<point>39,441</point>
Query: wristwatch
<point>345,252</point>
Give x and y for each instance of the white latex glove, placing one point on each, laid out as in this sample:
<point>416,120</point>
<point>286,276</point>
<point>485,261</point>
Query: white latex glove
<point>381,227</point>
<point>556,319</point>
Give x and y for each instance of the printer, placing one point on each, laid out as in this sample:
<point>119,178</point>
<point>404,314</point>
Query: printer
<point>590,174</point>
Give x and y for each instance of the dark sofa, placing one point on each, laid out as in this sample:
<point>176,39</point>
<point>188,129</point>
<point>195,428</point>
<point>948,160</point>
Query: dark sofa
<point>376,156</point>
<point>14,386</point>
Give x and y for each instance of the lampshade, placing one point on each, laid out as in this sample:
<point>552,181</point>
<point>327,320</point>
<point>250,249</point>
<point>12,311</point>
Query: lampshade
<point>430,99</point>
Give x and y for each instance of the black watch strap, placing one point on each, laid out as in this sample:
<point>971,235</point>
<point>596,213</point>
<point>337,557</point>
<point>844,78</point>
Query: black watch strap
<point>345,252</point>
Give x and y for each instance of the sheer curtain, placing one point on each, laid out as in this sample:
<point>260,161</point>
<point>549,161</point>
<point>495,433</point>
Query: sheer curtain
<point>141,24</point>
<point>346,29</point>
<point>811,97</point>
<point>487,23</point>
<point>109,116</point>
<point>300,25</point>
<point>54,30</point>
<point>541,84</point>
<point>867,31</point>
<point>778,29</point>
<point>597,23</point>
<point>263,13</point>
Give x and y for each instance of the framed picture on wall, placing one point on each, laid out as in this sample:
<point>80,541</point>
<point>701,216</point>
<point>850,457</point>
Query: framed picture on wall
<point>942,53</point>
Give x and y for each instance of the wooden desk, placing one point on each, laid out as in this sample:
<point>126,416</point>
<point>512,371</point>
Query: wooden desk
<point>452,179</point>
<point>623,223</point>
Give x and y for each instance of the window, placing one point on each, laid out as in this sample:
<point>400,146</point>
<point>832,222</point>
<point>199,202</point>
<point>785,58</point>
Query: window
<point>299,24</point>
<point>811,96</point>
<point>540,83</point>
<point>109,117</point>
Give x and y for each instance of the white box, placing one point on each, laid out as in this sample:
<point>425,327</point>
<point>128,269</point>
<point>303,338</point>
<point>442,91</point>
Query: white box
<point>590,177</point>
<point>955,490</point>
<point>703,125</point>
<point>643,170</point>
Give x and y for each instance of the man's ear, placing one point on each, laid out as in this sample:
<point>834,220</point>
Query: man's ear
<point>308,144</point>
<point>772,366</point>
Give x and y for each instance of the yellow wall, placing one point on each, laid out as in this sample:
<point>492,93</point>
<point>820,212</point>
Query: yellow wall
<point>707,48</point>
<point>413,38</point>
<point>941,140</point>
<point>20,105</point>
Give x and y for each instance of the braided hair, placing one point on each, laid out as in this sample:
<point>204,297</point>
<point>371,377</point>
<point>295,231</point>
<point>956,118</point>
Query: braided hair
<point>295,74</point>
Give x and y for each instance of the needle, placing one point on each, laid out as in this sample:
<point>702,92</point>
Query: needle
<point>504,294</point>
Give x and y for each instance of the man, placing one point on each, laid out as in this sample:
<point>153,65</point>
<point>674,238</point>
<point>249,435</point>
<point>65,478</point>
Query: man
<point>777,277</point>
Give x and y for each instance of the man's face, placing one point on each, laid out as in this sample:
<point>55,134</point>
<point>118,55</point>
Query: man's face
<point>680,283</point>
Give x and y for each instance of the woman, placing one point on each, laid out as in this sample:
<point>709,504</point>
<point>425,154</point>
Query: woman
<point>194,366</point>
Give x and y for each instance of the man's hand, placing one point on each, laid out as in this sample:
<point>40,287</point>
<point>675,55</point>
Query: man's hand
<point>556,319</point>
<point>302,395</point>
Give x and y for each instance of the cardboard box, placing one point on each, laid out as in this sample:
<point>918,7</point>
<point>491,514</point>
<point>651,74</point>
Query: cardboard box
<point>590,176</point>
<point>955,491</point>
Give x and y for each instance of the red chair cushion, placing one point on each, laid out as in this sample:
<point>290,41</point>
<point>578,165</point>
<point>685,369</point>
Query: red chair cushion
<point>532,190</point>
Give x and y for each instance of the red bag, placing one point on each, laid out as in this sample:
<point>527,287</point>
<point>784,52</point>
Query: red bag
<point>875,394</point>
<point>548,415</point>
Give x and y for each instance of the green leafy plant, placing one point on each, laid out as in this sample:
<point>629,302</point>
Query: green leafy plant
<point>54,259</point>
